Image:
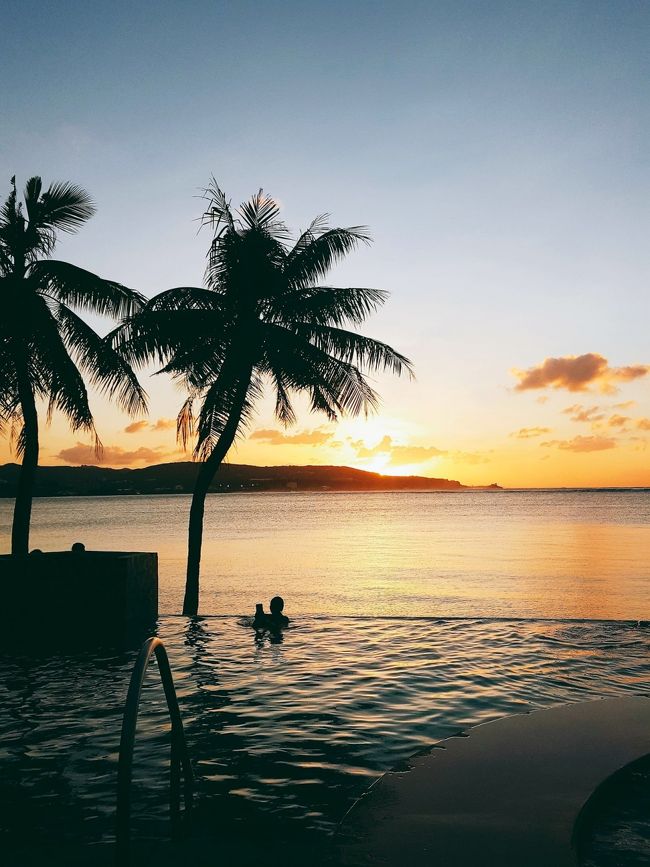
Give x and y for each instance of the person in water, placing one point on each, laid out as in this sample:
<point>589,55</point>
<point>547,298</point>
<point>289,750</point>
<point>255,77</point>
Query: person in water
<point>275,620</point>
<point>276,617</point>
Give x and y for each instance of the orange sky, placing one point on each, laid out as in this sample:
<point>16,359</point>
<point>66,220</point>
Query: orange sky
<point>562,422</point>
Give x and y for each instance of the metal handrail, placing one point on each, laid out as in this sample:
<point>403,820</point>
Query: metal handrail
<point>180,759</point>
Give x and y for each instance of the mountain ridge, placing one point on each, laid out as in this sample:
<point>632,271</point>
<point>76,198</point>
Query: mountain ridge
<point>179,477</point>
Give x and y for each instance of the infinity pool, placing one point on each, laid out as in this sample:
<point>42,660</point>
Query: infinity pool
<point>283,736</point>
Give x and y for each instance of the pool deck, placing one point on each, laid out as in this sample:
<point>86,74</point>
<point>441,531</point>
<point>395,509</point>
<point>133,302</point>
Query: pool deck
<point>506,792</point>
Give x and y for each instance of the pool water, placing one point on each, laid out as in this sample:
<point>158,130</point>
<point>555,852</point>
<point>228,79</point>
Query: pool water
<point>284,736</point>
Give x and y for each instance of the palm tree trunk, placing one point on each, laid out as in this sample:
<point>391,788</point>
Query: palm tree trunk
<point>197,509</point>
<point>27,475</point>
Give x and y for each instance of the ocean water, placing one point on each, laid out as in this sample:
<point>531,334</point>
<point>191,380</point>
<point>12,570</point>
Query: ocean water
<point>480,554</point>
<point>413,616</point>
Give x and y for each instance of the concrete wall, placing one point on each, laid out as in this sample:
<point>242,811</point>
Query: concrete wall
<point>101,597</point>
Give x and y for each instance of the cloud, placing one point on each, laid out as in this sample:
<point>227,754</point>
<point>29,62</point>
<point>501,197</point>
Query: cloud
<point>627,404</point>
<point>136,426</point>
<point>577,373</point>
<point>582,444</point>
<point>526,433</point>
<point>618,421</point>
<point>399,454</point>
<point>317,437</point>
<point>578,412</point>
<point>643,423</point>
<point>112,456</point>
<point>159,424</point>
<point>164,424</point>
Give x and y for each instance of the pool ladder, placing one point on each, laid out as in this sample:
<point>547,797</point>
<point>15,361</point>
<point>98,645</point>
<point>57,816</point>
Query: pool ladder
<point>179,762</point>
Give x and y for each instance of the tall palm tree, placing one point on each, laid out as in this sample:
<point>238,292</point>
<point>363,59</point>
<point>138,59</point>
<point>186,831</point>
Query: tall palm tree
<point>261,319</point>
<point>45,347</point>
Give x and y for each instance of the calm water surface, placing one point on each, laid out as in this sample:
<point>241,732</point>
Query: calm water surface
<point>523,554</point>
<point>285,736</point>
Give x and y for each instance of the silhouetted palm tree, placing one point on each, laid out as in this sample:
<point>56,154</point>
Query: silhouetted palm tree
<point>45,347</point>
<point>261,319</point>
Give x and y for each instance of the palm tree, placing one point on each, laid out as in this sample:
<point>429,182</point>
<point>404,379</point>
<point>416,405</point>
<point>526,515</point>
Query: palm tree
<point>261,319</point>
<point>45,347</point>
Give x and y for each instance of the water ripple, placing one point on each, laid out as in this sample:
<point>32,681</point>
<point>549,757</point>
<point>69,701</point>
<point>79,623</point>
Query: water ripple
<point>284,733</point>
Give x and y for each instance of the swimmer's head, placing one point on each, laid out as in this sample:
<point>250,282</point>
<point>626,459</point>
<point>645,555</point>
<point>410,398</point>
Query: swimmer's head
<point>277,604</point>
<point>78,547</point>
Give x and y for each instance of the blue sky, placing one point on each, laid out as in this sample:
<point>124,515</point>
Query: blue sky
<point>498,152</point>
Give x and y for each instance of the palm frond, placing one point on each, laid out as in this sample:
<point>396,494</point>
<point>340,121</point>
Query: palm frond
<point>64,206</point>
<point>284,411</point>
<point>326,305</point>
<point>312,262</point>
<point>318,226</point>
<point>261,213</point>
<point>32,196</point>
<point>55,376</point>
<point>185,297</point>
<point>102,364</point>
<point>185,423</point>
<point>336,387</point>
<point>84,290</point>
<point>365,352</point>
<point>218,213</point>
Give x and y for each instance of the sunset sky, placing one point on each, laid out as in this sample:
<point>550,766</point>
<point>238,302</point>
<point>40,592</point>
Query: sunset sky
<point>497,151</point>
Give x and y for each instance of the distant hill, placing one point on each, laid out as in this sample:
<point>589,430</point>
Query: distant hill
<point>179,478</point>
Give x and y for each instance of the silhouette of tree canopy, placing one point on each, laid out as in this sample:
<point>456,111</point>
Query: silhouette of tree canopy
<point>262,318</point>
<point>46,348</point>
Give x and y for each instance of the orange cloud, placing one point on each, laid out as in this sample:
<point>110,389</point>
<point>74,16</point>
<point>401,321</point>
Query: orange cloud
<point>618,420</point>
<point>111,456</point>
<point>643,423</point>
<point>160,424</point>
<point>316,437</point>
<point>398,454</point>
<point>136,426</point>
<point>578,373</point>
<point>526,433</point>
<point>582,444</point>
<point>164,424</point>
<point>578,412</point>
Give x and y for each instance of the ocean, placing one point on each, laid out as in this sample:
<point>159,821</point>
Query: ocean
<point>531,554</point>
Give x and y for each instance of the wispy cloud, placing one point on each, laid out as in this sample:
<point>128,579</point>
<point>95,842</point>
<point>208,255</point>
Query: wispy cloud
<point>399,454</point>
<point>618,421</point>
<point>582,444</point>
<point>578,373</point>
<point>581,413</point>
<point>164,424</point>
<point>136,427</point>
<point>404,454</point>
<point>526,433</point>
<point>317,437</point>
<point>158,425</point>
<point>112,456</point>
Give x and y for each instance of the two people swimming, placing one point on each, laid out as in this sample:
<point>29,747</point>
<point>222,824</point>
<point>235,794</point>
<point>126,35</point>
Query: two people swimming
<point>275,620</point>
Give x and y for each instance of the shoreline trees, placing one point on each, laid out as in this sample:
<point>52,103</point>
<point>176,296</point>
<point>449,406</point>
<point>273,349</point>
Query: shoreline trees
<point>46,348</point>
